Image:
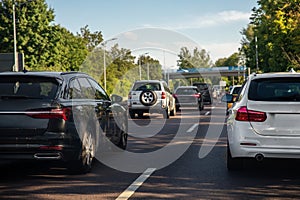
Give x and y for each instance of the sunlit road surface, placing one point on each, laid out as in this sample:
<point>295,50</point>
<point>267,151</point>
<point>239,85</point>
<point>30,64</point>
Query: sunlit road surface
<point>188,177</point>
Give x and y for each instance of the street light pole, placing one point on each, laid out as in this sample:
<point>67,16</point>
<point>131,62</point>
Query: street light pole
<point>16,61</point>
<point>148,70</point>
<point>256,53</point>
<point>104,61</point>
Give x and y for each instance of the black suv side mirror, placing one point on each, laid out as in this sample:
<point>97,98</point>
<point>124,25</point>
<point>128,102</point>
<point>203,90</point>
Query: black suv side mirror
<point>116,98</point>
<point>227,98</point>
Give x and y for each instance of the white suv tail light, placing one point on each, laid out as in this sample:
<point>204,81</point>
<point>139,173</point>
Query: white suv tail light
<point>243,114</point>
<point>163,95</point>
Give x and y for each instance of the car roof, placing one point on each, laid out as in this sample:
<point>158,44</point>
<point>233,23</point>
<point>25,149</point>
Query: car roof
<point>194,87</point>
<point>198,83</point>
<point>234,86</point>
<point>149,81</point>
<point>275,75</point>
<point>42,73</point>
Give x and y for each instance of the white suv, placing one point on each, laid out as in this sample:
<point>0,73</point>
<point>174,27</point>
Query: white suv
<point>264,120</point>
<point>151,96</point>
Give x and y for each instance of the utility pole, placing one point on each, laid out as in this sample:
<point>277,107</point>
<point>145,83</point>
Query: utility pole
<point>16,61</point>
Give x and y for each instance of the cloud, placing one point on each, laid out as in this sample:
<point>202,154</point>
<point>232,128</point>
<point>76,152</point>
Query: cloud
<point>231,16</point>
<point>209,20</point>
<point>221,50</point>
<point>130,35</point>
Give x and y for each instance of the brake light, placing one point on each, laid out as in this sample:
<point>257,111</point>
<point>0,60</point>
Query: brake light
<point>163,95</point>
<point>243,114</point>
<point>57,113</point>
<point>196,95</point>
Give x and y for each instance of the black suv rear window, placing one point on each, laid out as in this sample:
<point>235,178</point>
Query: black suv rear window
<point>27,87</point>
<point>186,91</point>
<point>275,89</point>
<point>236,90</point>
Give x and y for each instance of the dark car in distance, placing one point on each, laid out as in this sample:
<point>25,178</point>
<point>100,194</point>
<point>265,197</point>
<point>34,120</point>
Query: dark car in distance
<point>205,90</point>
<point>58,116</point>
<point>188,96</point>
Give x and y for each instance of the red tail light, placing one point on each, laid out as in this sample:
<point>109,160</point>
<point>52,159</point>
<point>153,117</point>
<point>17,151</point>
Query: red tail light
<point>196,95</point>
<point>58,113</point>
<point>243,114</point>
<point>163,95</point>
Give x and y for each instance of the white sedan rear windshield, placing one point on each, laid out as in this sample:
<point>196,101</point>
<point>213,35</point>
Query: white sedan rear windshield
<point>275,89</point>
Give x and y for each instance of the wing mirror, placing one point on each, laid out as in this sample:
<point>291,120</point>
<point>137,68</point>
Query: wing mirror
<point>116,98</point>
<point>227,98</point>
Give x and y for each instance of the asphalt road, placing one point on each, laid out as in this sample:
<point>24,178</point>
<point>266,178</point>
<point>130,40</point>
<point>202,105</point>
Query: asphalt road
<point>181,158</point>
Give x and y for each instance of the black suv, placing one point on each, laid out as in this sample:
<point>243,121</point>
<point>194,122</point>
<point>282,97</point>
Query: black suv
<point>205,90</point>
<point>58,116</point>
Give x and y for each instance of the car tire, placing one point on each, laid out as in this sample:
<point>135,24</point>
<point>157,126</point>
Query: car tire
<point>123,141</point>
<point>140,114</point>
<point>234,164</point>
<point>84,164</point>
<point>199,107</point>
<point>132,114</point>
<point>173,112</point>
<point>148,98</point>
<point>166,113</point>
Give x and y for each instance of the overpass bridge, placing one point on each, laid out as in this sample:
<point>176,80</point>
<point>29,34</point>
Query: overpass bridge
<point>208,72</point>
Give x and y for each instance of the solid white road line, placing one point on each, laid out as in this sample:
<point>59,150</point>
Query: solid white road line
<point>192,128</point>
<point>136,184</point>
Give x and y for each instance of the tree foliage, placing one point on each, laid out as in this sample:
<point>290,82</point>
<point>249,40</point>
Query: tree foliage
<point>46,46</point>
<point>232,60</point>
<point>196,59</point>
<point>91,40</point>
<point>150,65</point>
<point>50,47</point>
<point>273,36</point>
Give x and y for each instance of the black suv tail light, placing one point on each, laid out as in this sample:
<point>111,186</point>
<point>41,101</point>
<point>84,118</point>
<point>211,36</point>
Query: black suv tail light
<point>197,95</point>
<point>58,113</point>
<point>243,114</point>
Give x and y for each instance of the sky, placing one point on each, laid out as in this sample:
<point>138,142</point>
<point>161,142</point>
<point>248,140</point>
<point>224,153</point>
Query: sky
<point>160,27</point>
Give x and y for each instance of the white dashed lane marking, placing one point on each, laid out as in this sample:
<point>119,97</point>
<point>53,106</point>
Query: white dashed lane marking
<point>192,128</point>
<point>136,184</point>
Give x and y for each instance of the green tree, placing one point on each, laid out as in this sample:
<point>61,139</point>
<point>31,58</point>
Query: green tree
<point>33,31</point>
<point>121,72</point>
<point>45,46</point>
<point>154,67</point>
<point>92,40</point>
<point>232,60</point>
<point>220,62</point>
<point>275,36</point>
<point>197,59</point>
